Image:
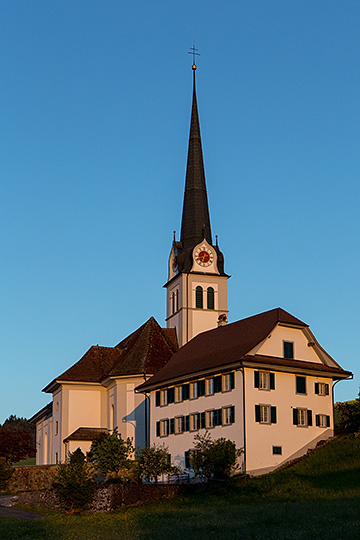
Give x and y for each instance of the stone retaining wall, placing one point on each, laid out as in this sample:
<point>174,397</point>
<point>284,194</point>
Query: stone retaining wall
<point>107,497</point>
<point>37,477</point>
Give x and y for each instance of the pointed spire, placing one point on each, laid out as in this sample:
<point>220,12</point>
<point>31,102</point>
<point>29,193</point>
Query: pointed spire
<point>195,218</point>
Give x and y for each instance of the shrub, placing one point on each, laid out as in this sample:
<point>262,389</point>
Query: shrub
<point>112,453</point>
<point>74,484</point>
<point>213,459</point>
<point>77,457</point>
<point>5,473</point>
<point>154,461</point>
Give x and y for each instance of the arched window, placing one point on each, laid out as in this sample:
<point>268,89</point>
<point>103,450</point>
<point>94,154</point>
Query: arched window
<point>210,298</point>
<point>199,297</point>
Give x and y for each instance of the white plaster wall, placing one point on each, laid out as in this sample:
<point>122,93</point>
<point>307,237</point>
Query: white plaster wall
<point>260,438</point>
<point>44,441</point>
<point>130,410</point>
<point>273,346</point>
<point>179,443</point>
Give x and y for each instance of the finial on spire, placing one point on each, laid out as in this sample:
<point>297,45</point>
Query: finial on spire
<point>216,236</point>
<point>194,53</point>
<point>174,235</point>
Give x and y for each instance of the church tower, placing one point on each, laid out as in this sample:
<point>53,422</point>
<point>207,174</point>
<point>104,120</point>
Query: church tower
<point>197,284</point>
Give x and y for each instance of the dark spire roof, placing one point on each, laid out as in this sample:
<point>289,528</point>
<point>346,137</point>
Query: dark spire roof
<point>195,223</point>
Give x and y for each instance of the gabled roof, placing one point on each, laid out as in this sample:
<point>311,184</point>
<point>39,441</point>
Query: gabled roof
<point>222,346</point>
<point>144,351</point>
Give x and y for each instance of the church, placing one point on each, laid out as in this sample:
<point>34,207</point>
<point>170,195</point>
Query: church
<point>263,382</point>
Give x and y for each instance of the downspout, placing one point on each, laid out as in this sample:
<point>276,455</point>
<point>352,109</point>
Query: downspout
<point>244,427</point>
<point>187,308</point>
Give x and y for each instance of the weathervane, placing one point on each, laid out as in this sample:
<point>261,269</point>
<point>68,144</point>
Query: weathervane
<point>194,53</point>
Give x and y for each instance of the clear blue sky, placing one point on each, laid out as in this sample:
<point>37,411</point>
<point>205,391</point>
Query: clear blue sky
<point>94,104</point>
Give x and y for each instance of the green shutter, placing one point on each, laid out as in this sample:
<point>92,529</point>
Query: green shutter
<point>232,414</point>
<point>272,381</point>
<point>316,388</point>
<point>257,413</point>
<point>217,384</point>
<point>273,415</point>
<point>157,398</point>
<point>256,379</point>
<point>158,429</point>
<point>295,417</point>
<point>309,417</point>
<point>326,389</point>
<point>232,380</point>
<point>327,421</point>
<point>185,391</point>
<point>317,419</point>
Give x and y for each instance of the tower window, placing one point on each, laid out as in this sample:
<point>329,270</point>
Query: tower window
<point>172,303</point>
<point>177,300</point>
<point>210,298</point>
<point>199,297</point>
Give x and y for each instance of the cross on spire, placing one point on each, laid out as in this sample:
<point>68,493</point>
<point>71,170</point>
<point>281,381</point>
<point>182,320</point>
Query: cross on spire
<point>194,52</point>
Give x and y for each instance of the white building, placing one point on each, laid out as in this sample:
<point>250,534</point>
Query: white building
<point>263,382</point>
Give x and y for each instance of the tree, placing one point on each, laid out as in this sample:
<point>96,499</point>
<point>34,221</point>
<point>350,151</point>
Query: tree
<point>153,461</point>
<point>213,458</point>
<point>112,453</point>
<point>15,445</point>
<point>74,484</point>
<point>347,416</point>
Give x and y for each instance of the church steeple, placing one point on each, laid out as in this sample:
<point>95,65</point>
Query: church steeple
<point>195,225</point>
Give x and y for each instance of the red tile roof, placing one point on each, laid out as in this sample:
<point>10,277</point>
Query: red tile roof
<point>145,351</point>
<point>85,434</point>
<point>221,346</point>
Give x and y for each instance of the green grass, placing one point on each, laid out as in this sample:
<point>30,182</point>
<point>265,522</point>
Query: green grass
<point>26,462</point>
<point>318,498</point>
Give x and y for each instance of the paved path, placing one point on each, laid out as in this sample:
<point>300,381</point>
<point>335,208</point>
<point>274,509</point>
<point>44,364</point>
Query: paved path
<point>6,510</point>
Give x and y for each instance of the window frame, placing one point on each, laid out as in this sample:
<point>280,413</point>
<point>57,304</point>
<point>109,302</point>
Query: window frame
<point>286,345</point>
<point>199,297</point>
<point>298,378</point>
<point>210,298</point>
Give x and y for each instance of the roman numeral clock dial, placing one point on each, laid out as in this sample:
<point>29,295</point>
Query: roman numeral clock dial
<point>204,256</point>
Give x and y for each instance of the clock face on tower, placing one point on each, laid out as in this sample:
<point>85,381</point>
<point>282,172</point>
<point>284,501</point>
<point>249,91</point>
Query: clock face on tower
<point>204,256</point>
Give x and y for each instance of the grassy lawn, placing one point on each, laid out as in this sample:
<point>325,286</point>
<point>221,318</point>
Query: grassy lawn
<point>316,499</point>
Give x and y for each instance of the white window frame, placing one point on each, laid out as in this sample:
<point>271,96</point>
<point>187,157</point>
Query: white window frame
<point>322,420</point>
<point>178,394</point>
<point>265,414</point>
<point>226,420</point>
<point>209,386</point>
<point>193,390</point>
<point>264,380</point>
<point>302,417</point>
<point>163,398</point>
<point>322,389</point>
<point>164,428</point>
<point>226,382</point>
<point>194,422</point>
<point>209,419</point>
<point>178,425</point>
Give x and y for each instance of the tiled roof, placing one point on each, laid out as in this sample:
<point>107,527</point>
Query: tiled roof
<point>295,364</point>
<point>145,351</point>
<point>222,346</point>
<point>85,434</point>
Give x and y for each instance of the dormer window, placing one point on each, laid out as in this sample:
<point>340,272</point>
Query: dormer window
<point>288,349</point>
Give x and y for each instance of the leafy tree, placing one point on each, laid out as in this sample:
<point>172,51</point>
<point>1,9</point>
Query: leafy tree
<point>77,456</point>
<point>5,473</point>
<point>74,484</point>
<point>153,461</point>
<point>213,458</point>
<point>112,453</point>
<point>15,445</point>
<point>347,416</point>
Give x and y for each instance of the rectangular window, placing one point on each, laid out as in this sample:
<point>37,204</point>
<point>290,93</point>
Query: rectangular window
<point>228,415</point>
<point>264,380</point>
<point>322,389</point>
<point>201,388</point>
<point>185,391</point>
<point>228,382</point>
<point>288,349</point>
<point>217,384</point>
<point>171,395</point>
<point>178,394</point>
<point>277,450</point>
<point>179,420</point>
<point>194,421</point>
<point>265,414</point>
<point>323,420</point>
<point>163,397</point>
<point>202,420</point>
<point>302,417</point>
<point>164,428</point>
<point>209,386</point>
<point>209,419</point>
<point>193,390</point>
<point>300,385</point>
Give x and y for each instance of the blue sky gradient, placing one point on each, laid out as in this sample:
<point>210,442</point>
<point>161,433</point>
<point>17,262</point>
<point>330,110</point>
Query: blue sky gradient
<point>95,103</point>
